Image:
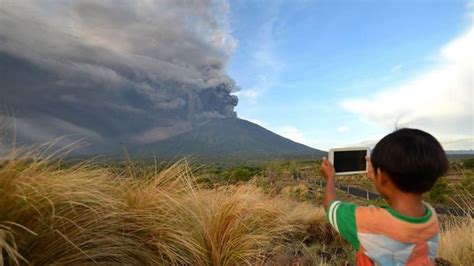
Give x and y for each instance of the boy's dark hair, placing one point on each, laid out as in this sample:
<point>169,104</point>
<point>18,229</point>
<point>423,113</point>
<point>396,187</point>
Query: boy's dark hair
<point>413,159</point>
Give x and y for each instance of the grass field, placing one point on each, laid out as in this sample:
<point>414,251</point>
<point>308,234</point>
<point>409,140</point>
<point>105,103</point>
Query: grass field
<point>90,213</point>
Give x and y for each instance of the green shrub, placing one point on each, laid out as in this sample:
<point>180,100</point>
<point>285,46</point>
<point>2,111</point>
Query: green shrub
<point>240,174</point>
<point>440,191</point>
<point>468,163</point>
<point>467,182</point>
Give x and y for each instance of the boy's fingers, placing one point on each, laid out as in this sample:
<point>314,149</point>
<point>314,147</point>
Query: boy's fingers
<point>325,161</point>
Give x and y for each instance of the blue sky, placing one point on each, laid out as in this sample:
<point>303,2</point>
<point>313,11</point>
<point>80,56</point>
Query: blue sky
<point>344,73</point>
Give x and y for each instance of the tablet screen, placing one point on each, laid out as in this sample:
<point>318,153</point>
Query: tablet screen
<point>350,161</point>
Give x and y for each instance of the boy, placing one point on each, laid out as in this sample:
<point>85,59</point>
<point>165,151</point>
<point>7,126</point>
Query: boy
<point>403,165</point>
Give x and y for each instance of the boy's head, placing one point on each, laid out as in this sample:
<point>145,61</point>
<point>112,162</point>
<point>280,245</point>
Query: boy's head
<point>412,159</point>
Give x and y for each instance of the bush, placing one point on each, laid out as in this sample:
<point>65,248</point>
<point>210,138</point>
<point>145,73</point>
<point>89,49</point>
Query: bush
<point>440,191</point>
<point>467,182</point>
<point>240,174</point>
<point>274,171</point>
<point>468,163</point>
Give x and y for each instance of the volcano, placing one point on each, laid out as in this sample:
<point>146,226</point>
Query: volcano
<point>229,139</point>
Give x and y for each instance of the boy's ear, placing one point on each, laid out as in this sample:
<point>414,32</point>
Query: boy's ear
<point>383,177</point>
<point>379,172</point>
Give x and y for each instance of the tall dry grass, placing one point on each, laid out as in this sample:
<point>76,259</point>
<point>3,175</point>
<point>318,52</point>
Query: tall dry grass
<point>457,242</point>
<point>457,234</point>
<point>91,214</point>
<point>83,214</point>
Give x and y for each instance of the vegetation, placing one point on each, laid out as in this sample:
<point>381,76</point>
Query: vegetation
<point>467,182</point>
<point>151,214</point>
<point>468,163</point>
<point>456,242</point>
<point>91,214</point>
<point>440,191</point>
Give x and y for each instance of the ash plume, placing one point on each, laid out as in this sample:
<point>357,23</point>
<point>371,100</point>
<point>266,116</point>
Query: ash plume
<point>110,71</point>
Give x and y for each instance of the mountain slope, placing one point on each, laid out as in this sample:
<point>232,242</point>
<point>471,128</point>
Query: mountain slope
<point>230,138</point>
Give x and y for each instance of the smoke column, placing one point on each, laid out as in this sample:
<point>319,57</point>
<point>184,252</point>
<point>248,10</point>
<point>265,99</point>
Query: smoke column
<point>111,71</point>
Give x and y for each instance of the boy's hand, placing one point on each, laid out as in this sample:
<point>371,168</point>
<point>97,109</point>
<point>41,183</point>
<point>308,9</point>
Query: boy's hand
<point>326,169</point>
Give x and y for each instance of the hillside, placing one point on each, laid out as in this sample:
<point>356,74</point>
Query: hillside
<point>229,138</point>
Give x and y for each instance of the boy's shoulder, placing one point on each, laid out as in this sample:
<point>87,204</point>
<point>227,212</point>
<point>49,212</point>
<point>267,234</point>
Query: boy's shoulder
<point>366,213</point>
<point>353,222</point>
<point>371,212</point>
<point>388,222</point>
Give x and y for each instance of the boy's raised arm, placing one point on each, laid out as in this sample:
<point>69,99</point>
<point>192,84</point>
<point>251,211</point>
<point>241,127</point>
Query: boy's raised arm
<point>327,170</point>
<point>339,214</point>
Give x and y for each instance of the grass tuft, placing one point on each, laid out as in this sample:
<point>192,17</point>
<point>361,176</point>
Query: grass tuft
<point>92,214</point>
<point>87,213</point>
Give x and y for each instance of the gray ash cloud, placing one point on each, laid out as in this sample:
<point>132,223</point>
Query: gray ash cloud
<point>111,71</point>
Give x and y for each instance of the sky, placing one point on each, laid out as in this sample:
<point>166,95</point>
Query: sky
<point>346,73</point>
<point>322,73</point>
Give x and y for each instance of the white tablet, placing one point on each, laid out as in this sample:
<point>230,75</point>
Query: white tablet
<point>349,161</point>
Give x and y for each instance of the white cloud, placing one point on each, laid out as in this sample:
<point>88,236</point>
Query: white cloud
<point>439,101</point>
<point>343,129</point>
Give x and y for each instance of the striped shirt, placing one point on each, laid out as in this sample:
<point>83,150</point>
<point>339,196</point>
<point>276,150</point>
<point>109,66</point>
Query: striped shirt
<point>381,236</point>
